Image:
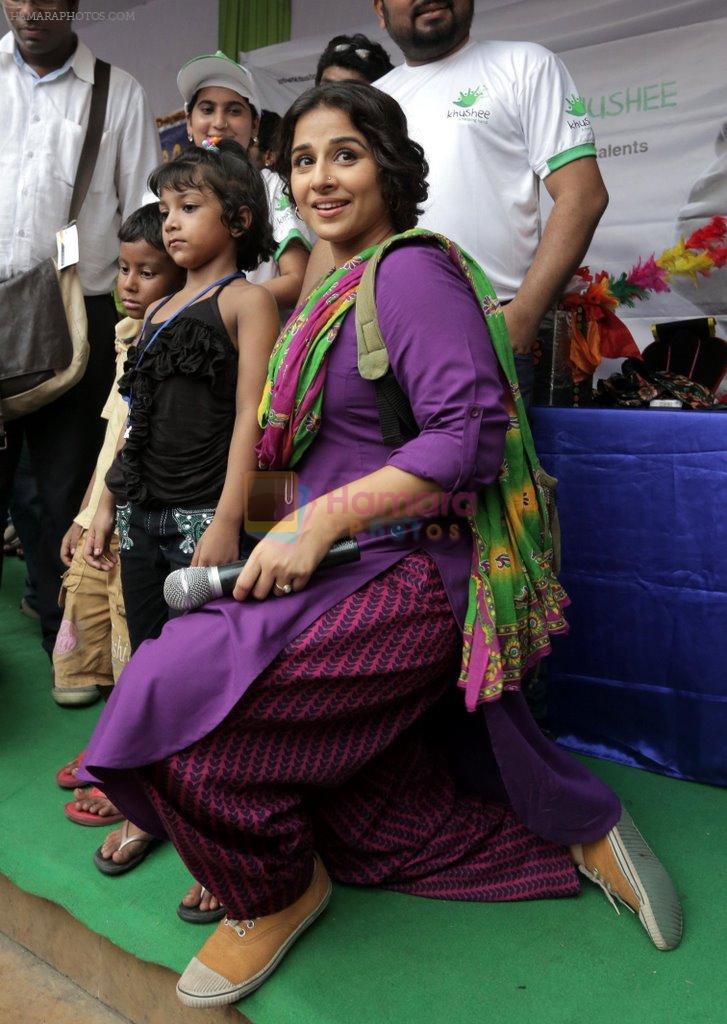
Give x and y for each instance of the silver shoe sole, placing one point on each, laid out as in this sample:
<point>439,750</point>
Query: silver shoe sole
<point>661,912</point>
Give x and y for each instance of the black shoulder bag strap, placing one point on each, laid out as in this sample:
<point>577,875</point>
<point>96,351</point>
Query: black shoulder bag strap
<point>92,140</point>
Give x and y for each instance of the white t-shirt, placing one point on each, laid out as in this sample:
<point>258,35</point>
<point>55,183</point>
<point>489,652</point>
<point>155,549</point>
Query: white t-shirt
<point>707,198</point>
<point>287,227</point>
<point>493,119</point>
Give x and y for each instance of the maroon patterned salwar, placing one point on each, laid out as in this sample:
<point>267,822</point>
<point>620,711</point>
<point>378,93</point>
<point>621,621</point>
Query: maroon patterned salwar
<point>330,749</point>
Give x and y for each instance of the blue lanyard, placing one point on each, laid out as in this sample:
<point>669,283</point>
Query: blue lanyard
<point>195,298</point>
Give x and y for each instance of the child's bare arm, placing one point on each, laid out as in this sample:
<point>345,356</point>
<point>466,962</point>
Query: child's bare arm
<point>257,327</point>
<point>286,288</point>
<point>70,537</point>
<point>96,550</point>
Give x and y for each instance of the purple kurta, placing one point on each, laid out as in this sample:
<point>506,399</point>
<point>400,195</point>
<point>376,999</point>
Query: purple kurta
<point>178,688</point>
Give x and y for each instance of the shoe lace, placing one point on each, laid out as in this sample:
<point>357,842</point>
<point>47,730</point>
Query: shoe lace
<point>238,926</point>
<point>608,890</point>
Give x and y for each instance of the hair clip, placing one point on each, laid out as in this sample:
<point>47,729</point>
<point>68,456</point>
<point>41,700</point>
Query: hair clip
<point>363,54</point>
<point>341,47</point>
<point>212,144</point>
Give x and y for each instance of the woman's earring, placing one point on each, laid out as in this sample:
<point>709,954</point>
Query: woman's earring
<point>254,141</point>
<point>190,136</point>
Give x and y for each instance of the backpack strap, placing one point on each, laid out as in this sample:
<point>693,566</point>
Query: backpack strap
<point>373,357</point>
<point>396,418</point>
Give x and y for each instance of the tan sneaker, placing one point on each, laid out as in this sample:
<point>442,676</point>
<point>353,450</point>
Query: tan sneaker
<point>624,866</point>
<point>240,955</point>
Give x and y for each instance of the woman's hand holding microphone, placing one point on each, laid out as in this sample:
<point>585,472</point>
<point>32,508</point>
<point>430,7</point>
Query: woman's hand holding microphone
<point>283,561</point>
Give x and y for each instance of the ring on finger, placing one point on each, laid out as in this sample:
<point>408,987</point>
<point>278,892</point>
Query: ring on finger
<point>285,589</point>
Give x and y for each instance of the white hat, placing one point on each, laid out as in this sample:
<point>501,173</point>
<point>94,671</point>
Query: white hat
<point>217,69</point>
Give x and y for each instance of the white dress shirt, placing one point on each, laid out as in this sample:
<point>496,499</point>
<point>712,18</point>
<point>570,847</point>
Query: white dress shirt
<point>42,127</point>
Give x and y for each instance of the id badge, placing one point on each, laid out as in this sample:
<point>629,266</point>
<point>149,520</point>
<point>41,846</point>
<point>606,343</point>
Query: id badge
<point>67,246</point>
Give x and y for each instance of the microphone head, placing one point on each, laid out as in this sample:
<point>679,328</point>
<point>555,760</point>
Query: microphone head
<point>186,589</point>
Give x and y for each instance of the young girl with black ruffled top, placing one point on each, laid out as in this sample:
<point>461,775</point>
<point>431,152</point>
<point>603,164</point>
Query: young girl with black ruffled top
<point>193,383</point>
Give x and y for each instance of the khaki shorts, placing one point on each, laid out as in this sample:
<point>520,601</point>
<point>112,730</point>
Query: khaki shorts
<point>92,645</point>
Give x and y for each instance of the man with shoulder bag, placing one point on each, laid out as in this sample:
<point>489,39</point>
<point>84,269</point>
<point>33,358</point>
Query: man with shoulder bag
<point>79,142</point>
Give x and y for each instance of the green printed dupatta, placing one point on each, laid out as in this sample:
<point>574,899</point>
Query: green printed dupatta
<point>515,601</point>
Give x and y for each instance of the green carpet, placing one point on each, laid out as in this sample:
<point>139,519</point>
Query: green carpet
<point>380,957</point>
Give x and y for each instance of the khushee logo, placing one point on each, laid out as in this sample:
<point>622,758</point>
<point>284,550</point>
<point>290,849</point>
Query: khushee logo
<point>469,107</point>
<point>576,107</point>
<point>282,203</point>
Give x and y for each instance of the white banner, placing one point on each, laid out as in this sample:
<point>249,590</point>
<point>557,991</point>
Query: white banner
<point>658,104</point>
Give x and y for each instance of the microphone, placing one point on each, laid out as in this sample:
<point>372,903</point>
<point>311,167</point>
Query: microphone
<point>187,589</point>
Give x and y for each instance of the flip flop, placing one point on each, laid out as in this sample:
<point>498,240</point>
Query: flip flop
<point>110,867</point>
<point>193,915</point>
<point>65,777</point>
<point>87,817</point>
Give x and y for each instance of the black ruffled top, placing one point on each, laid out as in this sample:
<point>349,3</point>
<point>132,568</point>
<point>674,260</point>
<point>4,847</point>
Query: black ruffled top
<point>182,412</point>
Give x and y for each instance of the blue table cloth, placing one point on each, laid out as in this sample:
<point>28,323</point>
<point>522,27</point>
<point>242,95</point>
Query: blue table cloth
<point>642,676</point>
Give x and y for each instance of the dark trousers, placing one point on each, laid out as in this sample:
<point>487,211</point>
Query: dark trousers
<point>525,377</point>
<point>153,543</point>
<point>64,439</point>
<point>25,511</point>
<point>327,751</point>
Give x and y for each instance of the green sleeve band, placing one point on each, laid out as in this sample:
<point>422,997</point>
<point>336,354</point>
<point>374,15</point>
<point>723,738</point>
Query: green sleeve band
<point>292,236</point>
<point>577,153</point>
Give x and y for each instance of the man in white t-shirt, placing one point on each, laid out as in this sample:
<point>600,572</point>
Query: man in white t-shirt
<point>495,119</point>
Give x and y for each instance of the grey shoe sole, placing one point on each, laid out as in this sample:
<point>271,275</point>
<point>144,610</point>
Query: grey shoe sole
<point>661,912</point>
<point>77,696</point>
<point>240,991</point>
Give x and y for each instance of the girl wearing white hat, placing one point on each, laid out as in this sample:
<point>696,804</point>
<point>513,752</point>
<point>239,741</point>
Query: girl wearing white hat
<point>221,100</point>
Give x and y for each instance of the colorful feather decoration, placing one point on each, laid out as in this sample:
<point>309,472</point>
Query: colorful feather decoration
<point>648,276</point>
<point>593,298</point>
<point>711,236</point>
<point>703,252</point>
<point>625,290</point>
<point>685,262</point>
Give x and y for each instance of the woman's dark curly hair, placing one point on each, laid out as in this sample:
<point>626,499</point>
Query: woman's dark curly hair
<point>402,167</point>
<point>232,178</point>
<point>355,53</point>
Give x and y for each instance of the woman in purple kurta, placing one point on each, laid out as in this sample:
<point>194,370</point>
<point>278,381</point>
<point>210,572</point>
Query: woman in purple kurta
<point>253,733</point>
<point>179,688</point>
